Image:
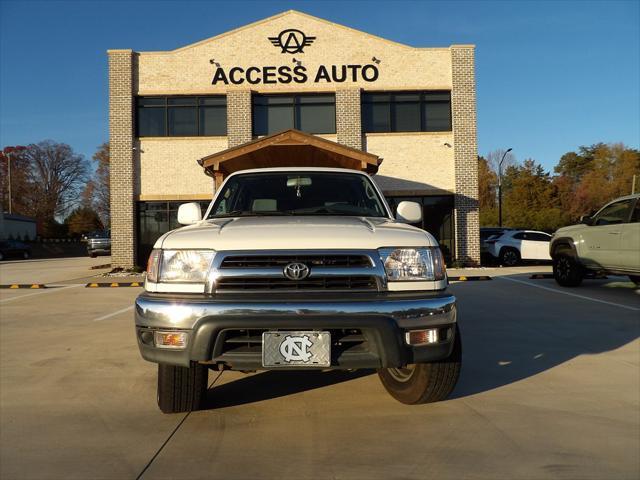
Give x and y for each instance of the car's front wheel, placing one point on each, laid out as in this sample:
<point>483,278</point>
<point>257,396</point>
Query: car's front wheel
<point>424,382</point>
<point>181,389</point>
<point>566,270</point>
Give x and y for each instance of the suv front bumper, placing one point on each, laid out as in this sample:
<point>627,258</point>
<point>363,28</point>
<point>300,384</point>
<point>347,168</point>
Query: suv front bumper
<point>380,319</point>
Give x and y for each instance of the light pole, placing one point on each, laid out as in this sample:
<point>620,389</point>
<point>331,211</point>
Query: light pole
<point>500,188</point>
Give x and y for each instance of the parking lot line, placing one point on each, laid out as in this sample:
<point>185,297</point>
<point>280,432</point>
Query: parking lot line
<point>109,315</point>
<point>627,307</point>
<point>53,290</point>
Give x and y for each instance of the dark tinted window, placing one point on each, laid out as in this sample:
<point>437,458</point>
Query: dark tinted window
<point>520,236</point>
<point>181,116</point>
<point>152,121</point>
<point>539,237</point>
<point>406,112</point>
<point>183,121</point>
<point>309,113</point>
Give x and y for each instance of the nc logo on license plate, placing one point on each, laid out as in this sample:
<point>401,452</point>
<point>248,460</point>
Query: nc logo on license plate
<point>294,349</point>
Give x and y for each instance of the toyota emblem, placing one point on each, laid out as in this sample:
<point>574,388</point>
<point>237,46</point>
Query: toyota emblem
<point>296,271</point>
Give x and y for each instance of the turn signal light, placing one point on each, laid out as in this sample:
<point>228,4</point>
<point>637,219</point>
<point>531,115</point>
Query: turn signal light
<point>170,339</point>
<point>422,337</point>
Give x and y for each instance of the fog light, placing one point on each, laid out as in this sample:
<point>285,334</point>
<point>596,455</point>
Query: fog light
<point>422,337</point>
<point>170,339</point>
<point>146,337</point>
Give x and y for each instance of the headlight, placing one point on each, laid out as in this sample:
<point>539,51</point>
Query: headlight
<point>186,266</point>
<point>407,264</point>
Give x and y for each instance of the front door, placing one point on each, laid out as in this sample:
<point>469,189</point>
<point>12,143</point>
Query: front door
<point>602,240</point>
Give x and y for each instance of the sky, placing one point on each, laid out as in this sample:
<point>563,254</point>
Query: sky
<point>551,75</point>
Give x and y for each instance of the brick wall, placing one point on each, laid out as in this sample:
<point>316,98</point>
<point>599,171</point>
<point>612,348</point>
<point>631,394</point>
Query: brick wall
<point>463,107</point>
<point>239,125</point>
<point>123,219</point>
<point>348,118</point>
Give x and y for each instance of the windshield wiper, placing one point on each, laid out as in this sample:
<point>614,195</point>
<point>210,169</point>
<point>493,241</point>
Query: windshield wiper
<point>330,211</point>
<point>247,213</point>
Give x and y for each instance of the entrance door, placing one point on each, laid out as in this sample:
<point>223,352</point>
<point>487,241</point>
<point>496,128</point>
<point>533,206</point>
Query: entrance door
<point>437,219</point>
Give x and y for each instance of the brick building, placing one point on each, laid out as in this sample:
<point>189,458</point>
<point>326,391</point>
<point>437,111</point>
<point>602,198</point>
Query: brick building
<point>415,108</point>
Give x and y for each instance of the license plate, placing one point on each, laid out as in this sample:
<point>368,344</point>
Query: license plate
<point>296,349</point>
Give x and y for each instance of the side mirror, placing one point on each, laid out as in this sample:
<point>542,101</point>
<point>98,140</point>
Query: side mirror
<point>586,219</point>
<point>409,212</point>
<point>189,213</point>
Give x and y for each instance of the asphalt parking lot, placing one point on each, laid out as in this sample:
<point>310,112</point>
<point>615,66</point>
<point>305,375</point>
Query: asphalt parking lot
<point>550,388</point>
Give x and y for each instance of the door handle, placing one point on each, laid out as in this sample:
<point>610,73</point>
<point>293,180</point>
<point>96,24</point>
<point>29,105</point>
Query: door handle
<point>614,233</point>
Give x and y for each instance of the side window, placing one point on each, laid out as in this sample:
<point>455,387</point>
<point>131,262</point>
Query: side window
<point>540,237</point>
<point>617,212</point>
<point>520,236</point>
<point>635,216</point>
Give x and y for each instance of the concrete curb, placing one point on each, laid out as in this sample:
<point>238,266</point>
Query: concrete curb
<point>15,286</point>
<point>465,278</point>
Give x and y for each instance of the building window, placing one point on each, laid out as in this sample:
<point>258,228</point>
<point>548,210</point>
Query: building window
<point>406,112</point>
<point>437,219</point>
<point>181,116</point>
<point>309,113</point>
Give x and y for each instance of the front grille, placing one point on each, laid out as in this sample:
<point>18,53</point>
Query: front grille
<point>347,282</point>
<point>249,341</point>
<point>266,261</point>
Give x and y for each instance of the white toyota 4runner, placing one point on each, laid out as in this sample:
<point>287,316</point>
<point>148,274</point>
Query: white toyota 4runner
<point>607,242</point>
<point>298,268</point>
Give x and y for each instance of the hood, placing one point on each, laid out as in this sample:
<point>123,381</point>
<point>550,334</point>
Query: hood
<point>299,232</point>
<point>568,229</point>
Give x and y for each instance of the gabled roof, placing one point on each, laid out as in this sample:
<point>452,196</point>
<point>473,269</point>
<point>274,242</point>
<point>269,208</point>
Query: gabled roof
<point>291,148</point>
<point>284,14</point>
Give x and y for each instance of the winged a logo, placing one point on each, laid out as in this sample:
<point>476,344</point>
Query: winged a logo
<point>292,41</point>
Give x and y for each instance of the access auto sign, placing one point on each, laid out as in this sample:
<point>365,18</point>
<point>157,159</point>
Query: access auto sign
<point>293,41</point>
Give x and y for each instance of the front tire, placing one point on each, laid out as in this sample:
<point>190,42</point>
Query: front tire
<point>566,271</point>
<point>509,257</point>
<point>424,382</point>
<point>181,389</point>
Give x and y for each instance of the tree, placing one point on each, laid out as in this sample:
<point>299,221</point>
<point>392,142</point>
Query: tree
<point>98,187</point>
<point>494,157</point>
<point>487,188</point>
<point>83,220</point>
<point>46,181</point>
<point>596,174</point>
<point>56,176</point>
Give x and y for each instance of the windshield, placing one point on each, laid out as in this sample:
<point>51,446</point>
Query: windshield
<point>298,193</point>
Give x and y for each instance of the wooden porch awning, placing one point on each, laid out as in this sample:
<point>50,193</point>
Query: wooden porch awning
<point>291,148</point>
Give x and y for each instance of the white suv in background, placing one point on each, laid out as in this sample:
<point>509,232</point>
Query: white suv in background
<point>607,242</point>
<point>514,246</point>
